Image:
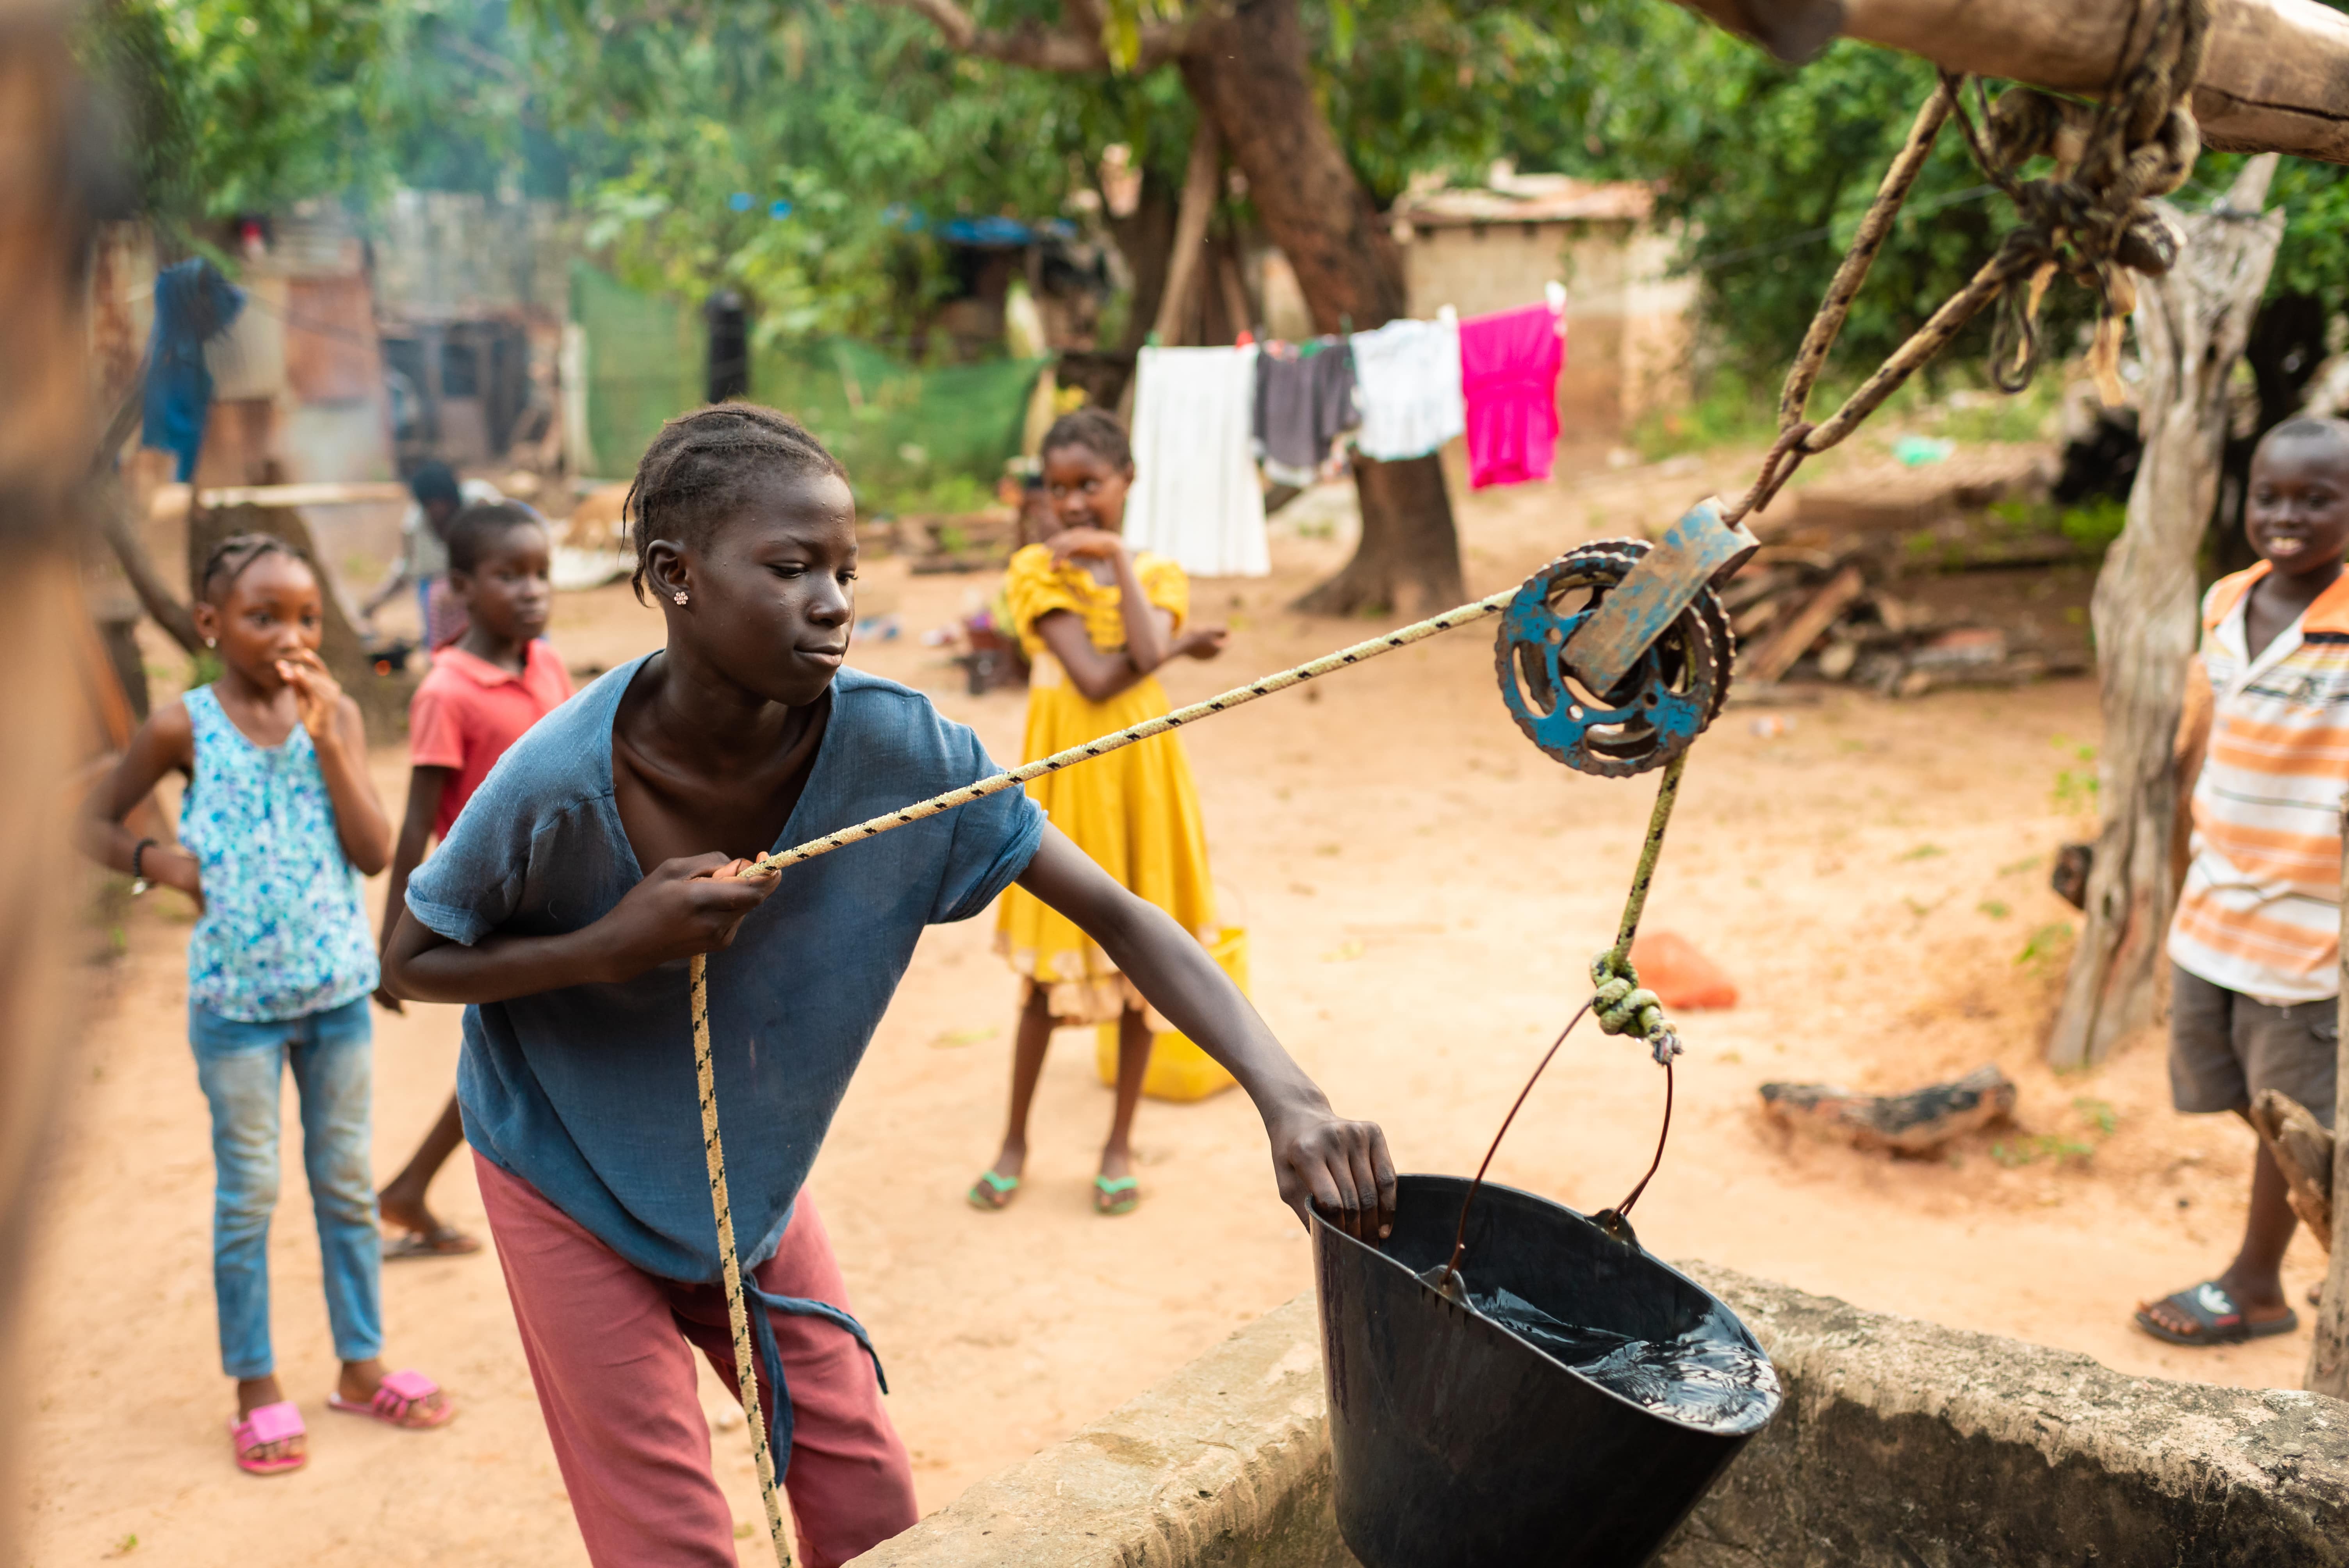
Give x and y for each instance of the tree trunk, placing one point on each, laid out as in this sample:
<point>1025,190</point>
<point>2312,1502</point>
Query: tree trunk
<point>1187,260</point>
<point>1246,69</point>
<point>1146,240</point>
<point>2191,326</point>
<point>45,437</point>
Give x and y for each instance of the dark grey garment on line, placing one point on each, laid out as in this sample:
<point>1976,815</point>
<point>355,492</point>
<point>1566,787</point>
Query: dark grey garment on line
<point>1304,402</point>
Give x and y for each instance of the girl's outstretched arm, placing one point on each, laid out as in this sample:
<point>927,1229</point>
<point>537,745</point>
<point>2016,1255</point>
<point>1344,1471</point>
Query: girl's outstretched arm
<point>166,743</point>
<point>1340,1167</point>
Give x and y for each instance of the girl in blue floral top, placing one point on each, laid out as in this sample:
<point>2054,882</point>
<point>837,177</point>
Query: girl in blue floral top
<point>277,827</point>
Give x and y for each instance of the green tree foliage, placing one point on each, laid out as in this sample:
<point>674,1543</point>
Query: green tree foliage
<point>1771,167</point>
<point>244,106</point>
<point>801,152</point>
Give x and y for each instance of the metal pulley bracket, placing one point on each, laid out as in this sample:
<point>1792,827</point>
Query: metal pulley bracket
<point>1616,657</point>
<point>1695,552</point>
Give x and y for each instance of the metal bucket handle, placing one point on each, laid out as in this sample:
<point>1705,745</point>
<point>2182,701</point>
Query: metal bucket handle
<point>1445,1278</point>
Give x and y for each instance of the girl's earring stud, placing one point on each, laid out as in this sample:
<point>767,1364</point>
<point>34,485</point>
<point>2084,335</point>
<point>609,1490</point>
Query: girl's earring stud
<point>679,595</point>
<point>211,641</point>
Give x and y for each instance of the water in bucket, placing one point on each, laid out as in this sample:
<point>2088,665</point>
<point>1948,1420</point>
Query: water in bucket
<point>1705,1376</point>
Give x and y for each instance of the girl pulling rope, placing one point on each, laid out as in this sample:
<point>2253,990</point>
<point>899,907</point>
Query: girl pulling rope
<point>744,734</point>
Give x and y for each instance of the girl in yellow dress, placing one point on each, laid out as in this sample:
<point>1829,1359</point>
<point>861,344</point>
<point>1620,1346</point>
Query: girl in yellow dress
<point>1095,621</point>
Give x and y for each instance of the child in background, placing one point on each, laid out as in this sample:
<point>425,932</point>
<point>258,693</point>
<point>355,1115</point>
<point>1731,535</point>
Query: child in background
<point>279,823</point>
<point>2255,947</point>
<point>1096,621</point>
<point>604,851</point>
<point>495,681</point>
<point>424,551</point>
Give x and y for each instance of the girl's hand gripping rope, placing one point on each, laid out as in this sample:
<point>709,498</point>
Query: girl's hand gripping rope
<point>688,906</point>
<point>1624,1006</point>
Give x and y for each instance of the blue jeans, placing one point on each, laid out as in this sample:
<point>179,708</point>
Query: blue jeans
<point>241,1068</point>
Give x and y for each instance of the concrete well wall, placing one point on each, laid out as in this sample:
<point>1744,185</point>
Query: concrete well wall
<point>1901,1443</point>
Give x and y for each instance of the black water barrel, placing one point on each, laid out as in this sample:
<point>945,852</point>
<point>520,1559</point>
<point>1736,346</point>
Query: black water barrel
<point>1458,1444</point>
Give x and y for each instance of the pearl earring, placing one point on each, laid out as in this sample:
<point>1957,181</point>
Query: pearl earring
<point>679,595</point>
<point>211,641</point>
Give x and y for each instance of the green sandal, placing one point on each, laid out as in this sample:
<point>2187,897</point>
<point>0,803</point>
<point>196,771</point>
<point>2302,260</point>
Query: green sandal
<point>992,1192</point>
<point>1119,1197</point>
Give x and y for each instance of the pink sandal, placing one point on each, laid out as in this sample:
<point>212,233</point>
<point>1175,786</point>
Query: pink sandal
<point>266,1425</point>
<point>399,1401</point>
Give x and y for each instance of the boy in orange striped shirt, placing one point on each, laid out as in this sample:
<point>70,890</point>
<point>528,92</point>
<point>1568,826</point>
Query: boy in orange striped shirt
<point>2255,946</point>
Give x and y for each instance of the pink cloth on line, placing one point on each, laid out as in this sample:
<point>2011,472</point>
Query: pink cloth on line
<point>611,1353</point>
<point>1508,378</point>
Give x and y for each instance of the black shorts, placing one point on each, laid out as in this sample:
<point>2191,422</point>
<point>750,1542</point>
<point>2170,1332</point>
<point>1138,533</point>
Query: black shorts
<point>2225,1047</point>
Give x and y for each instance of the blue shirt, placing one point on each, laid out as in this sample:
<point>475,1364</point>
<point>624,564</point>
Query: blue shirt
<point>588,1093</point>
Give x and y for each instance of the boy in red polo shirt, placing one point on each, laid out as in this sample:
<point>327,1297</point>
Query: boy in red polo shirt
<point>484,690</point>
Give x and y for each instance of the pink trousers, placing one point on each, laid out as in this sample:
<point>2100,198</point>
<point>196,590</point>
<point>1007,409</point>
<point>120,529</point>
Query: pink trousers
<point>611,1352</point>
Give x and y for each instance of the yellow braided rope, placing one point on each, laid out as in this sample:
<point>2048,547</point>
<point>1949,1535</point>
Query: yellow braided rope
<point>996,783</point>
<point>746,1360</point>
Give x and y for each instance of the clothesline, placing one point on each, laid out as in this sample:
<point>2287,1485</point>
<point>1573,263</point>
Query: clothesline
<point>1206,420</point>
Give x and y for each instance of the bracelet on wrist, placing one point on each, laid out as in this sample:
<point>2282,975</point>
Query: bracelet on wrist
<point>139,883</point>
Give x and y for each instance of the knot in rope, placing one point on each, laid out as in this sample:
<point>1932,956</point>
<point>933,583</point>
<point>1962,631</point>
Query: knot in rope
<point>2092,218</point>
<point>1624,1006</point>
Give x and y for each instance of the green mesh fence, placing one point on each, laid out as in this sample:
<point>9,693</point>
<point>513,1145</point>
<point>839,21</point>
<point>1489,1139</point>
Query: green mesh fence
<point>910,436</point>
<point>646,363</point>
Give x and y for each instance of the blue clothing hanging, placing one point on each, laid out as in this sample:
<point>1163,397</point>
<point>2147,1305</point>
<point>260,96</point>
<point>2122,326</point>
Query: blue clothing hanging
<point>194,305</point>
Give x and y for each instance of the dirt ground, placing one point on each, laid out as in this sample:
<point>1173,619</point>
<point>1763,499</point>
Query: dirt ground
<point>1422,891</point>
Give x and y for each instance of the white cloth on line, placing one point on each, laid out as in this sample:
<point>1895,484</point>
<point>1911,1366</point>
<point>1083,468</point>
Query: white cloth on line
<point>1407,385</point>
<point>1195,497</point>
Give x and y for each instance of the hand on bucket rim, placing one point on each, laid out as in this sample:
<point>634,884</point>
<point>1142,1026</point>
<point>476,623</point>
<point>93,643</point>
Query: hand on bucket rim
<point>1340,1168</point>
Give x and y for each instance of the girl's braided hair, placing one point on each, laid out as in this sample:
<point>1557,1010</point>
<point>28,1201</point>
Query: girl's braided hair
<point>232,556</point>
<point>701,463</point>
<point>1097,431</point>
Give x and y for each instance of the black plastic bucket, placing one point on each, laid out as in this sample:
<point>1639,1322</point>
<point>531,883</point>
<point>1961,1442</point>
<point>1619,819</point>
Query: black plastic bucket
<point>1458,1443</point>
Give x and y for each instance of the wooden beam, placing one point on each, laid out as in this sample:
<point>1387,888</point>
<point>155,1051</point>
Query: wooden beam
<point>2275,80</point>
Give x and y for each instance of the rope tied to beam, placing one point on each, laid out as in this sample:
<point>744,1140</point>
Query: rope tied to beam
<point>2092,220</point>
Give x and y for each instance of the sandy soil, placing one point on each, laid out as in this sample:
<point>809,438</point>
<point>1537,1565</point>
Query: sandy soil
<point>1424,891</point>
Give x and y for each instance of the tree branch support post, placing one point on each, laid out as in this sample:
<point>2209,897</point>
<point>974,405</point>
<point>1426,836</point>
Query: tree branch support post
<point>2191,325</point>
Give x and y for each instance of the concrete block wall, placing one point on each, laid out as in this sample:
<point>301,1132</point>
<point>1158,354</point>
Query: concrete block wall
<point>1901,1443</point>
<point>1915,1446</point>
<point>1224,1463</point>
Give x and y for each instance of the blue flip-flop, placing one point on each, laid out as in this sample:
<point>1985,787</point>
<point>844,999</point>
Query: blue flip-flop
<point>2217,1319</point>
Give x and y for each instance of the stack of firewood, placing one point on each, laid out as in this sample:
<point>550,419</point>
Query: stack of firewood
<point>1851,584</point>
